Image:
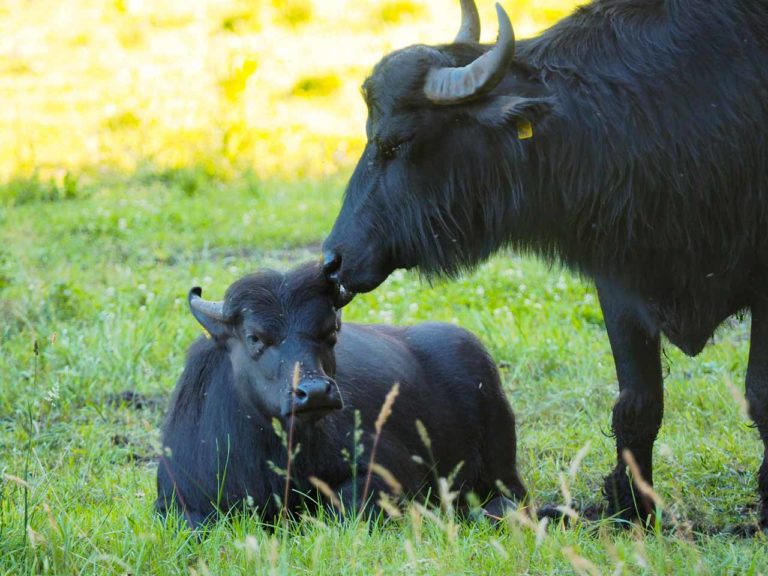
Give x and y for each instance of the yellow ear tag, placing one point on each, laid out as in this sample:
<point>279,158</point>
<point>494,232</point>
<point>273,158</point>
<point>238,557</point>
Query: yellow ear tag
<point>524,129</point>
<point>206,333</point>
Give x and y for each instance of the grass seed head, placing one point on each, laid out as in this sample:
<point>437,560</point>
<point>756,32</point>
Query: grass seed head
<point>423,434</point>
<point>386,504</point>
<point>386,408</point>
<point>388,477</point>
<point>326,491</point>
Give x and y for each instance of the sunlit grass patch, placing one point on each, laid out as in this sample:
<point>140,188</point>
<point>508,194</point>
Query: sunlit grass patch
<point>325,85</point>
<point>35,188</point>
<point>397,11</point>
<point>243,19</point>
<point>119,83</point>
<point>235,83</point>
<point>293,12</point>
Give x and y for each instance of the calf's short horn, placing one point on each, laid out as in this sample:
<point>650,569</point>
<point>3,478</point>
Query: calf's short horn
<point>208,308</point>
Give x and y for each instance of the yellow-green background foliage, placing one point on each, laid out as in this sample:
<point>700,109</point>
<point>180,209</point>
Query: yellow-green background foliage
<point>264,84</point>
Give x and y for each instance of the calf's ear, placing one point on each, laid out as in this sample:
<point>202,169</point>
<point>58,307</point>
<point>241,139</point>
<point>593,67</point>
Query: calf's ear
<point>209,314</point>
<point>500,111</point>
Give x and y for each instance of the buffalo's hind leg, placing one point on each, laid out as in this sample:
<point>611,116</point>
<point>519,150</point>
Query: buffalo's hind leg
<point>639,409</point>
<point>757,394</point>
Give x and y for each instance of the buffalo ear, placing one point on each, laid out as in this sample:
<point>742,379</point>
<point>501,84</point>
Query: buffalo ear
<point>499,111</point>
<point>209,314</point>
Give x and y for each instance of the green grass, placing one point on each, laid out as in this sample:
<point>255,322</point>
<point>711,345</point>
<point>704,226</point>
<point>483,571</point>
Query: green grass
<point>98,275</point>
<point>209,101</point>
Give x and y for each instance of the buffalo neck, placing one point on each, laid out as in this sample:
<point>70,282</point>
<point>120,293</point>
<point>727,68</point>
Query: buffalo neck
<point>630,166</point>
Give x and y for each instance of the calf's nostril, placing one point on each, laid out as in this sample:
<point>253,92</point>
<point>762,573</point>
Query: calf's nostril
<point>331,262</point>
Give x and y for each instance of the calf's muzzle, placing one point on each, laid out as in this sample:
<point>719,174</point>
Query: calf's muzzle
<point>315,395</point>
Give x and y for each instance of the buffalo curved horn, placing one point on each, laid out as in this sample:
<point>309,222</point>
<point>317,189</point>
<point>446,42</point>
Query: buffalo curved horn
<point>207,308</point>
<point>470,23</point>
<point>454,85</point>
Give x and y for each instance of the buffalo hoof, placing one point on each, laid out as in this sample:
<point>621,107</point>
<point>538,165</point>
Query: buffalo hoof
<point>554,513</point>
<point>496,509</point>
<point>625,501</point>
<point>763,523</point>
<point>741,530</point>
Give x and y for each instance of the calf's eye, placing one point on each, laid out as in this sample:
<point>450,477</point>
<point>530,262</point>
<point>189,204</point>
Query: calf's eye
<point>255,344</point>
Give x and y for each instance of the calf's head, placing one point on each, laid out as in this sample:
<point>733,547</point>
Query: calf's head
<point>279,331</point>
<point>436,182</point>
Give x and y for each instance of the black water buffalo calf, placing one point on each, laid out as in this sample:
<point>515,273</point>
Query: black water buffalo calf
<point>220,447</point>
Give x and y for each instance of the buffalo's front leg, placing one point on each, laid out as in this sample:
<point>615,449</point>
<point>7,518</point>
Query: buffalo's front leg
<point>757,394</point>
<point>638,411</point>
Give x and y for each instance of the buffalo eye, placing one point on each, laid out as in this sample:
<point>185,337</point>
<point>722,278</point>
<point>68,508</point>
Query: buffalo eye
<point>389,151</point>
<point>255,344</point>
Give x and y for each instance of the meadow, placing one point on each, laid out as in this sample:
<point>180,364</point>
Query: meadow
<point>146,148</point>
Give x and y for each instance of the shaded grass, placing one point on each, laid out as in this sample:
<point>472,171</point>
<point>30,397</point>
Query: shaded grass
<point>100,279</point>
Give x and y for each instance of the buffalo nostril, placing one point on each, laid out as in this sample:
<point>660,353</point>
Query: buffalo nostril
<point>314,395</point>
<point>331,262</point>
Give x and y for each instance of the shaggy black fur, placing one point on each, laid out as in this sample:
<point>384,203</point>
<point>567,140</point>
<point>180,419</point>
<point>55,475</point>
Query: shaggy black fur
<point>647,171</point>
<point>219,439</point>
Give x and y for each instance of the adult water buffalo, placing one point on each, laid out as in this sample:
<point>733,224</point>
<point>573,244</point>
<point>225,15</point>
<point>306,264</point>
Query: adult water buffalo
<point>220,446</point>
<point>629,141</point>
